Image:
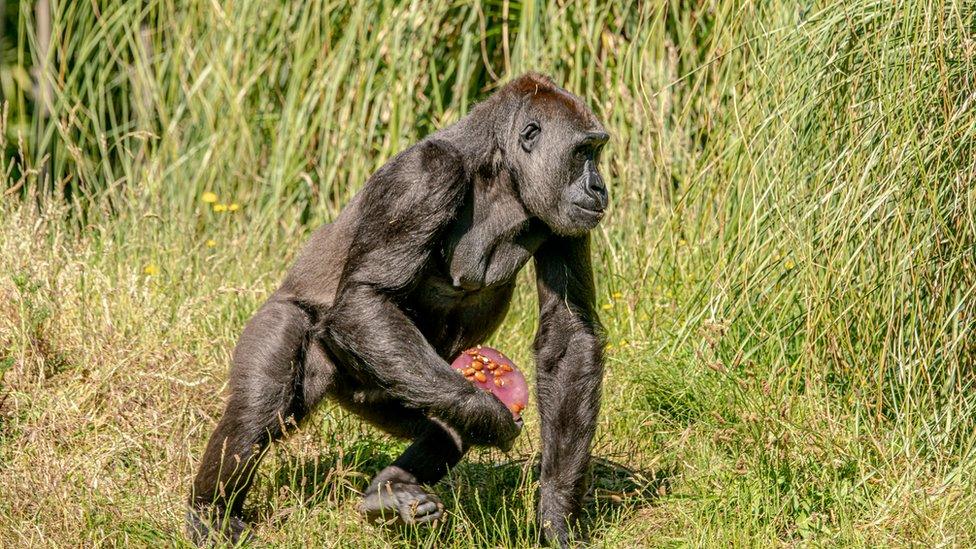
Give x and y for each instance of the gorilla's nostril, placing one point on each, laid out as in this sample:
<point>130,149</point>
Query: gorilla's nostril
<point>596,189</point>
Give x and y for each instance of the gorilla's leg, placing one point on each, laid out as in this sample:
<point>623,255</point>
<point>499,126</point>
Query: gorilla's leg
<point>276,379</point>
<point>396,493</point>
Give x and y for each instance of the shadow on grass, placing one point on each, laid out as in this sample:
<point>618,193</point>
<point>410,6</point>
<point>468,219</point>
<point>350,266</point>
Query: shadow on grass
<point>495,503</point>
<point>488,504</point>
<point>321,479</point>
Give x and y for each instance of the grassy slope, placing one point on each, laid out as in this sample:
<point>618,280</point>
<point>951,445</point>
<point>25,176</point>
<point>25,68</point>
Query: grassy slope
<point>787,276</point>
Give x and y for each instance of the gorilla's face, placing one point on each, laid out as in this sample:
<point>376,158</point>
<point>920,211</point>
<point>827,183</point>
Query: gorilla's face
<point>554,148</point>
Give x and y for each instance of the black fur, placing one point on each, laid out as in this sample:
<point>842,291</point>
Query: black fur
<point>420,266</point>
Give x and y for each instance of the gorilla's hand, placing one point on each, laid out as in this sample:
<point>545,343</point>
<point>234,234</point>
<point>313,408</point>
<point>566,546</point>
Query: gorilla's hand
<point>483,420</point>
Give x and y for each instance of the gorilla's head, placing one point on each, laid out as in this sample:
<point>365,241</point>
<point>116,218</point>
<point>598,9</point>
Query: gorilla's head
<point>552,146</point>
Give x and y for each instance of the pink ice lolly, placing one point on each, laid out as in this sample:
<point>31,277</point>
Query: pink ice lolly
<point>496,373</point>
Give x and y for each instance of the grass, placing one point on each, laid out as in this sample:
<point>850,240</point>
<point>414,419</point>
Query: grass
<point>787,274</point>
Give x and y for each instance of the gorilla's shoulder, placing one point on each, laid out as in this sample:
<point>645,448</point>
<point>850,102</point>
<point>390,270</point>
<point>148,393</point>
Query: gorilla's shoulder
<point>438,156</point>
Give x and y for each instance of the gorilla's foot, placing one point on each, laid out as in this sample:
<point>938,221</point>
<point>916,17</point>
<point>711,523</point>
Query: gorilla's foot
<point>209,526</point>
<point>394,496</point>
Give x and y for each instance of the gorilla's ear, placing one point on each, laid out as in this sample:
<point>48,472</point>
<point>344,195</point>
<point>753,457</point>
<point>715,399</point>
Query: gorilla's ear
<point>529,136</point>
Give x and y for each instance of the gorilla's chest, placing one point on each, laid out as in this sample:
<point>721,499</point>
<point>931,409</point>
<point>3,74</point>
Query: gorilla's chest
<point>472,265</point>
<point>490,241</point>
<point>487,254</point>
<point>464,296</point>
<point>467,289</point>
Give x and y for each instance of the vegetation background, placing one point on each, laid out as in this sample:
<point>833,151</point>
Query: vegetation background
<point>787,274</point>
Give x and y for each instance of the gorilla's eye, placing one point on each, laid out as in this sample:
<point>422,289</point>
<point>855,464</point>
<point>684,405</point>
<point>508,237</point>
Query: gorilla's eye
<point>592,145</point>
<point>529,136</point>
<point>531,131</point>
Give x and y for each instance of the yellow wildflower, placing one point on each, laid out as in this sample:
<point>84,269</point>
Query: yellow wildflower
<point>209,197</point>
<point>607,306</point>
<point>150,270</point>
<point>220,208</point>
<point>211,243</point>
<point>234,207</point>
<point>789,265</point>
<point>617,295</point>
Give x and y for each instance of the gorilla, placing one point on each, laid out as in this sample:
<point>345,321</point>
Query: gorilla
<point>420,265</point>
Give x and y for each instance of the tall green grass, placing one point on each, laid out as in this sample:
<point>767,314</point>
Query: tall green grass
<point>787,276</point>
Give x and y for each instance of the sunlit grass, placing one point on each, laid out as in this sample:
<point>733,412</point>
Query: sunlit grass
<point>787,275</point>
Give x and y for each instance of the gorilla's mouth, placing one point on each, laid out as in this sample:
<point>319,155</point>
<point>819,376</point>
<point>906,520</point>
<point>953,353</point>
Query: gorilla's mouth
<point>587,212</point>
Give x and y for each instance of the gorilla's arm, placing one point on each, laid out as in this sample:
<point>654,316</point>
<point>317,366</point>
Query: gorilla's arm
<point>569,357</point>
<point>406,208</point>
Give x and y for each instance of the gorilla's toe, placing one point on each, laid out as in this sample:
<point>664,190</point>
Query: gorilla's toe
<point>404,503</point>
<point>429,510</point>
